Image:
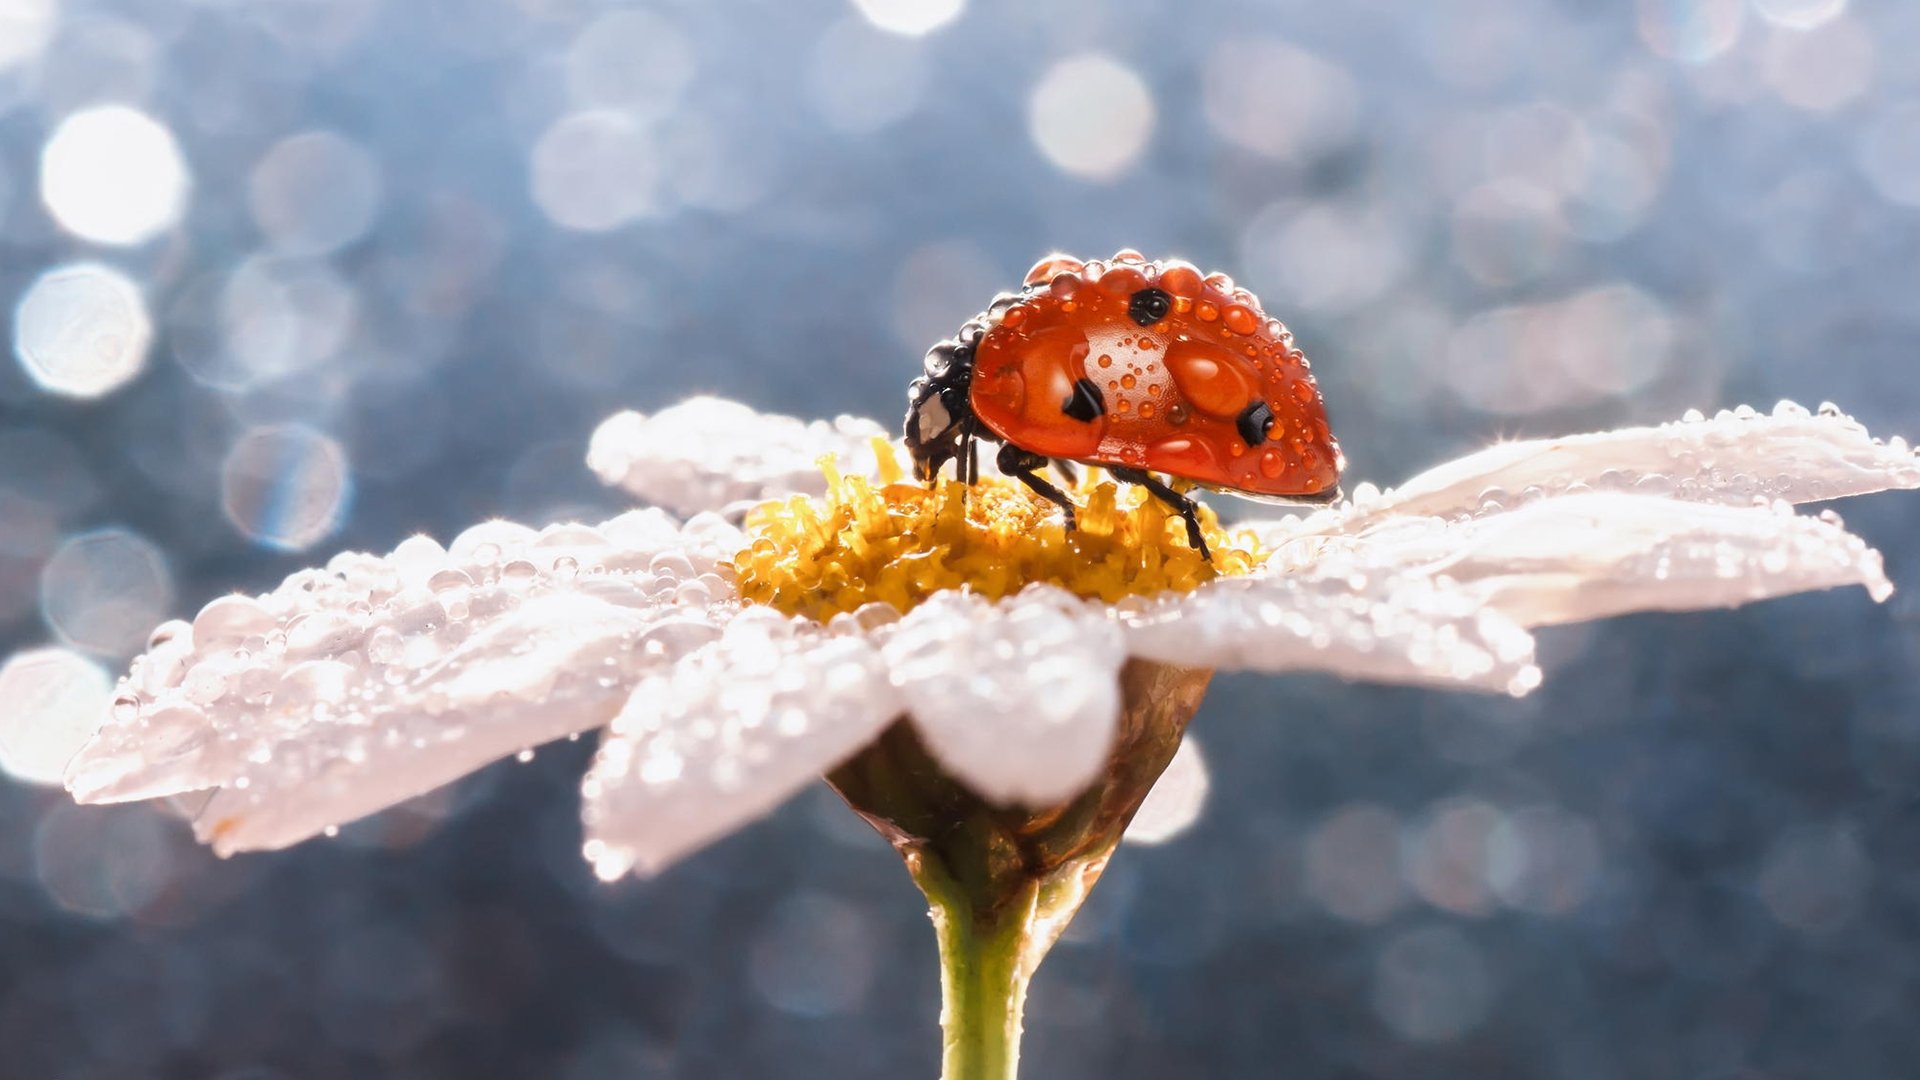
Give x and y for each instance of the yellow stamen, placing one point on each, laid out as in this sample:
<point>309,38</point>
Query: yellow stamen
<point>898,543</point>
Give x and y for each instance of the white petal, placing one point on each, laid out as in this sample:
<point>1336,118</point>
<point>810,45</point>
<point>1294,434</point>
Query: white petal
<point>728,734</point>
<point>1734,458</point>
<point>351,688</point>
<point>1342,618</point>
<point>1590,556</point>
<point>1020,698</point>
<point>708,453</point>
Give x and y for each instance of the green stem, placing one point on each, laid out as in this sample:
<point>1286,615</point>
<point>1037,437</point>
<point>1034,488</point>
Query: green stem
<point>989,950</point>
<point>984,972</point>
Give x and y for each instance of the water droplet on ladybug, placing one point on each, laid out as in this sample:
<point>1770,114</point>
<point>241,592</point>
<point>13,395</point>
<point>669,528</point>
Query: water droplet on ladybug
<point>1270,464</point>
<point>1128,255</point>
<point>1220,282</point>
<point>1064,286</point>
<point>1127,380</point>
<point>1052,267</point>
<point>1206,311</point>
<point>1240,320</point>
<point>1105,360</point>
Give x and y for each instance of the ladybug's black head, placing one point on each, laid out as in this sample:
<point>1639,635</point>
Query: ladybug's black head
<point>940,423</point>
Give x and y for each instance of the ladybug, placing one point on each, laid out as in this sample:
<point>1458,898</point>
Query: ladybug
<point>1138,367</point>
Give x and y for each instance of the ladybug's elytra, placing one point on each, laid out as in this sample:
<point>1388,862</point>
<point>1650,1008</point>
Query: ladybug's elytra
<point>1135,366</point>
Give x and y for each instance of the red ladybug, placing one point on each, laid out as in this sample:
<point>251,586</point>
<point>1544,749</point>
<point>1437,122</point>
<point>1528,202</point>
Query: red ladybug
<point>1137,367</point>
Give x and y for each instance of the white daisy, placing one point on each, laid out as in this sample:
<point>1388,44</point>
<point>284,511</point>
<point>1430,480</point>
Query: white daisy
<point>352,688</point>
<point>996,695</point>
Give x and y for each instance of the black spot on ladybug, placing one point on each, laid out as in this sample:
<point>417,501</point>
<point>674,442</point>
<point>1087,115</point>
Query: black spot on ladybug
<point>1254,422</point>
<point>1149,306</point>
<point>1085,402</point>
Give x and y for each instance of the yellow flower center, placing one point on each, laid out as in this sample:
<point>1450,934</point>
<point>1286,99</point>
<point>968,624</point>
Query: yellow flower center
<point>898,543</point>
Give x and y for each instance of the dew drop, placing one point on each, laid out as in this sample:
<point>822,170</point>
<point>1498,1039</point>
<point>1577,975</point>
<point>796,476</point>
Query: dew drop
<point>229,621</point>
<point>450,579</point>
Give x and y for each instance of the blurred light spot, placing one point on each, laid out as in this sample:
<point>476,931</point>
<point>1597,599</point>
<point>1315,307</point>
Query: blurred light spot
<point>82,330</point>
<point>317,28</point>
<point>1323,257</point>
<point>1692,31</point>
<point>1352,863</point>
<point>815,956</point>
<point>1091,116</point>
<point>1523,358</point>
<point>102,591</point>
<point>1815,878</point>
<point>102,863</point>
<point>1799,14</point>
<point>94,61</point>
<point>910,17</point>
<point>715,167</point>
<point>314,193</point>
<point>279,316</point>
<point>25,28</point>
<point>113,175</point>
<point>1543,860</point>
<point>1507,233</point>
<point>1889,154</point>
<point>937,288</point>
<point>1430,984</point>
<point>1446,858</point>
<point>285,486</point>
<point>635,61</point>
<point>1176,800</point>
<point>595,171</point>
<point>1278,100</point>
<point>54,700</point>
<point>861,80</point>
<point>1539,144</point>
<point>1819,69</point>
<point>1616,180</point>
<point>1499,41</point>
<point>611,1051</point>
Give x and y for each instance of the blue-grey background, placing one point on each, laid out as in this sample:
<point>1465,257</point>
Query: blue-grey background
<point>397,257</point>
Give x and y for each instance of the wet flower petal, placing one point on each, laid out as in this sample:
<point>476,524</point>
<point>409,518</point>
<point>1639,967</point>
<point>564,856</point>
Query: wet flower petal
<point>729,733</point>
<point>1590,556</point>
<point>1018,698</point>
<point>1340,617</point>
<point>708,453</point>
<point>381,677</point>
<point>1733,457</point>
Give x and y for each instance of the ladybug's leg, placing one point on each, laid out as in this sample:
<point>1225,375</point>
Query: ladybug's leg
<point>1021,464</point>
<point>1186,506</point>
<point>1067,470</point>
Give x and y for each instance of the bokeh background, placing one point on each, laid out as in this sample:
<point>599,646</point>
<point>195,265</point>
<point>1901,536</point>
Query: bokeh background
<point>281,277</point>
